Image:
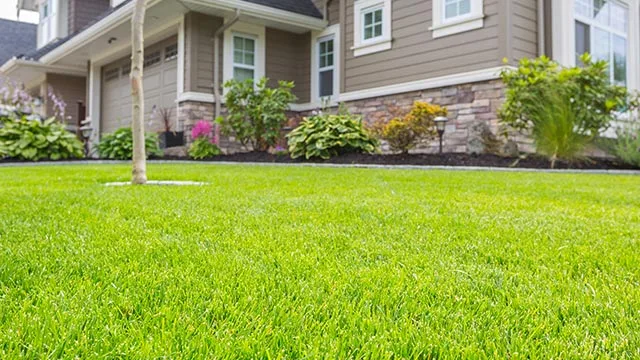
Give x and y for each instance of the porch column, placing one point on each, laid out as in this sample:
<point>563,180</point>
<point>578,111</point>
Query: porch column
<point>94,97</point>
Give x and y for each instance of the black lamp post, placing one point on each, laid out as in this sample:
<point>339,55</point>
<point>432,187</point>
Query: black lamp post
<point>441,123</point>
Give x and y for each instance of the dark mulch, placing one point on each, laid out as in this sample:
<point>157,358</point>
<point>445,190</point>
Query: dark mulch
<point>484,160</point>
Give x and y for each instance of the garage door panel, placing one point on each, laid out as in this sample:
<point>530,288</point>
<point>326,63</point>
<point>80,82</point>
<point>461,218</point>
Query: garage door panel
<point>159,89</point>
<point>152,81</point>
<point>170,77</point>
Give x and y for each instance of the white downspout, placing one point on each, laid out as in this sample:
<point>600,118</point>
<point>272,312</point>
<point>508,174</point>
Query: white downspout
<point>541,29</point>
<point>216,71</point>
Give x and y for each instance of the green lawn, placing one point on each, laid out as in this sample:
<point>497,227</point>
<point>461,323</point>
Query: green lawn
<point>278,262</point>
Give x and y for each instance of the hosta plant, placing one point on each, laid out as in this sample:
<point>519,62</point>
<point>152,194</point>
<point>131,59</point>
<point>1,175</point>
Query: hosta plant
<point>324,136</point>
<point>119,145</point>
<point>33,140</point>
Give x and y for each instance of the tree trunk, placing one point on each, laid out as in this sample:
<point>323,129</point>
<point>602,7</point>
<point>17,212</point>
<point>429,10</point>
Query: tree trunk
<point>137,94</point>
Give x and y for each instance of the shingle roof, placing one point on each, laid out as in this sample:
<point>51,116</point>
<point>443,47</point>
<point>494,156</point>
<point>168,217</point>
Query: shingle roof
<point>303,7</point>
<point>16,38</point>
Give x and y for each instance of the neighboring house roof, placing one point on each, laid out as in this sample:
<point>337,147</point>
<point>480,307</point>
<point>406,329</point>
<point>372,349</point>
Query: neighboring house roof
<point>302,7</point>
<point>16,39</point>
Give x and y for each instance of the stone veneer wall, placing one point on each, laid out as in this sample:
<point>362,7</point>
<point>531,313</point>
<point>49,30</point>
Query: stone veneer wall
<point>473,108</point>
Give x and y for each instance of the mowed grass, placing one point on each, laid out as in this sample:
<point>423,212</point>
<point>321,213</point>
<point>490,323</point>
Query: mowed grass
<point>279,262</point>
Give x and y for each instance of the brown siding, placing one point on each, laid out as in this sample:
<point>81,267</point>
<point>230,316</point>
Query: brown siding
<point>71,89</point>
<point>83,12</point>
<point>525,29</point>
<point>199,52</point>
<point>415,54</point>
<point>289,58</point>
<point>333,12</point>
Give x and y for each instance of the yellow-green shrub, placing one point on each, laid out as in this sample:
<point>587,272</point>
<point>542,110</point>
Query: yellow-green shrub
<point>404,133</point>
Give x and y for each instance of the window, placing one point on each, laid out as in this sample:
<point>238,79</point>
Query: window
<point>244,58</point>
<point>152,59</point>
<point>171,52</point>
<point>601,29</point>
<point>456,16</point>
<point>111,74</point>
<point>48,30</point>
<point>372,26</point>
<point>126,69</point>
<point>326,63</point>
<point>243,52</point>
<point>325,66</point>
<point>456,8</point>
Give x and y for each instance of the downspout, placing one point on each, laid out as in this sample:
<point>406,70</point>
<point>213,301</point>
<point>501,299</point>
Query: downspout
<point>216,72</point>
<point>541,29</point>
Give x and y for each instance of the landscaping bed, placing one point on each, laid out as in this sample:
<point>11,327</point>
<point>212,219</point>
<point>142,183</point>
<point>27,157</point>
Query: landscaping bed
<point>454,160</point>
<point>484,160</point>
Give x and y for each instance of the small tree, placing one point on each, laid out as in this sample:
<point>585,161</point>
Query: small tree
<point>137,93</point>
<point>257,113</point>
<point>404,133</point>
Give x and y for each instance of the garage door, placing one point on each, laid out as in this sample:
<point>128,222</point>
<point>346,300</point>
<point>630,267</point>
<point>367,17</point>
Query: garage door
<point>160,77</point>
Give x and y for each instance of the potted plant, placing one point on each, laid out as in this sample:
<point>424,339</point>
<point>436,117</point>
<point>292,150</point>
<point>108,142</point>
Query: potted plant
<point>169,138</point>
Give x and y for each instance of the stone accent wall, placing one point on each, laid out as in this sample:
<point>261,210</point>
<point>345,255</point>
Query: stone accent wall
<point>190,112</point>
<point>472,109</point>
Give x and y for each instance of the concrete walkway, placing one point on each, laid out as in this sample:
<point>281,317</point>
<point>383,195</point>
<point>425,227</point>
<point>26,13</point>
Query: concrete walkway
<point>325,165</point>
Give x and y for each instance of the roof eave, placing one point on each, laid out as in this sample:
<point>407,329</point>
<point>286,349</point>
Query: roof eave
<point>125,12</point>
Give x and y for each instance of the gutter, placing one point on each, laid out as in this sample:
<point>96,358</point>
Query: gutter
<point>12,64</point>
<point>216,70</point>
<point>123,14</point>
<point>541,28</point>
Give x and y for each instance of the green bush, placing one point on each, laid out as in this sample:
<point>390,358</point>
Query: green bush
<point>627,145</point>
<point>257,113</point>
<point>203,148</point>
<point>34,140</point>
<point>592,98</point>
<point>119,145</point>
<point>324,136</point>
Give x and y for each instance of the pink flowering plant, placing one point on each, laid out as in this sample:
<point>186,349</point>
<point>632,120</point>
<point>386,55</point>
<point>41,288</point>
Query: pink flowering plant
<point>204,145</point>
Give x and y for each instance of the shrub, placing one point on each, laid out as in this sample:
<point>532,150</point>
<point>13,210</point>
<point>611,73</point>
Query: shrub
<point>119,145</point>
<point>403,134</point>
<point>554,131</point>
<point>256,112</point>
<point>592,98</point>
<point>203,145</point>
<point>627,146</point>
<point>25,139</point>
<point>324,136</point>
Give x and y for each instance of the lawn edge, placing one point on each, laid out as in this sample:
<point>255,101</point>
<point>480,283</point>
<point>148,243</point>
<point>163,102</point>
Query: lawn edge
<point>325,165</point>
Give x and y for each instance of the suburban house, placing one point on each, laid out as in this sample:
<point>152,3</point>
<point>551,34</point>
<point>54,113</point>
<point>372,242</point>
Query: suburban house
<point>376,56</point>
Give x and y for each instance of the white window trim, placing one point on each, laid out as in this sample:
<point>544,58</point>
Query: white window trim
<point>50,22</point>
<point>444,27</point>
<point>249,30</point>
<point>381,43</point>
<point>564,37</point>
<point>334,31</point>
